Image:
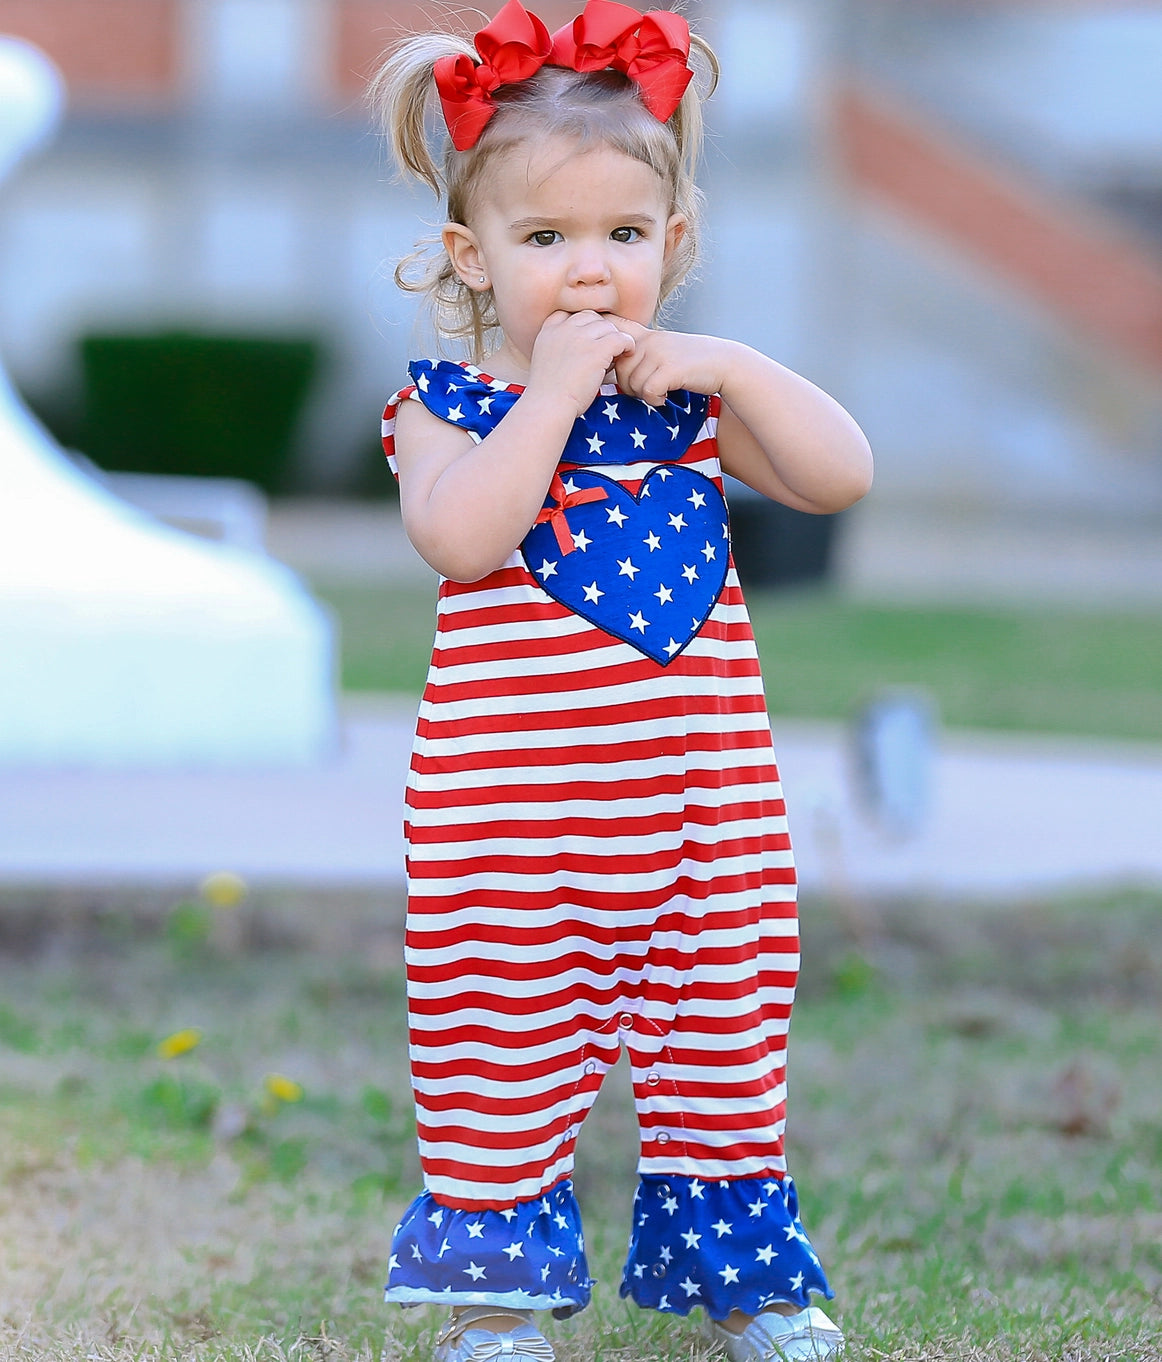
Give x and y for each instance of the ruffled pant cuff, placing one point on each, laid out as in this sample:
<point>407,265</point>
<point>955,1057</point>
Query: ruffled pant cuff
<point>530,1256</point>
<point>731,1245</point>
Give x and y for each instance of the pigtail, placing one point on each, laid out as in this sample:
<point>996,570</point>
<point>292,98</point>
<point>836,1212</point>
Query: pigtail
<point>400,94</point>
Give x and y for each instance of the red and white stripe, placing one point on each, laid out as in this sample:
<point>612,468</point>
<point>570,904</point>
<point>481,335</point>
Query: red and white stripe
<point>597,856</point>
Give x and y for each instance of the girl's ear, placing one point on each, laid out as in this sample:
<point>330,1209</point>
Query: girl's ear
<point>675,231</point>
<point>464,252</point>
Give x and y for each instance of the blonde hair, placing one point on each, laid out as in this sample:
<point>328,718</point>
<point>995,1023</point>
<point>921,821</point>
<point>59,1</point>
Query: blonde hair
<point>598,108</point>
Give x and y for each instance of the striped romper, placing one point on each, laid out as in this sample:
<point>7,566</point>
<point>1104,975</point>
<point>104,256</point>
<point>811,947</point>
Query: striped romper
<point>598,857</point>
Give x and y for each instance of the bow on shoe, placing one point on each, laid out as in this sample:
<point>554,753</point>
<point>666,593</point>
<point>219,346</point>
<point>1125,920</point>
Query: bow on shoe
<point>536,1349</point>
<point>652,49</point>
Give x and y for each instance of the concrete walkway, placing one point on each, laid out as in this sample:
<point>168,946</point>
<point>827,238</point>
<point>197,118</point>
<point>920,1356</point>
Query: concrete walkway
<point>1008,815</point>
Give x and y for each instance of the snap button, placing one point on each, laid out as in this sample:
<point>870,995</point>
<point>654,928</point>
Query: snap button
<point>663,1138</point>
<point>625,1021</point>
<point>653,1079</point>
<point>658,1270</point>
<point>591,1067</point>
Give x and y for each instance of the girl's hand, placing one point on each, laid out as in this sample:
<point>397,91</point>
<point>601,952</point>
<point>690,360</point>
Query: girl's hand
<point>574,351</point>
<point>662,361</point>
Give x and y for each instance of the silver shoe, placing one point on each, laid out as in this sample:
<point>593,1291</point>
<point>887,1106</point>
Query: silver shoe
<point>771,1337</point>
<point>458,1341</point>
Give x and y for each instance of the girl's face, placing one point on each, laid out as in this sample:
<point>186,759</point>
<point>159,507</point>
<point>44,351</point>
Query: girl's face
<point>554,229</point>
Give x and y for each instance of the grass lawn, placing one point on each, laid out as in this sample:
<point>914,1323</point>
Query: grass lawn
<point>974,1130</point>
<point>1053,670</point>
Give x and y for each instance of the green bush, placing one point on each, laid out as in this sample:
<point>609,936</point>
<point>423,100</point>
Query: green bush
<point>206,405</point>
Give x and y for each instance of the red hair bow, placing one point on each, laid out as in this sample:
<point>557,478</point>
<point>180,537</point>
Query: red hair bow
<point>652,49</point>
<point>512,48</point>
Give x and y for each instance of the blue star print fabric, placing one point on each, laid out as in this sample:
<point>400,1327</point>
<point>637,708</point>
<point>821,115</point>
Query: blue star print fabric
<point>646,567</point>
<point>729,1245</point>
<point>530,1256</point>
<point>732,1245</point>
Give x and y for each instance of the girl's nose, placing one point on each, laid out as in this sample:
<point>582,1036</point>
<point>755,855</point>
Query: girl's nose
<point>588,268</point>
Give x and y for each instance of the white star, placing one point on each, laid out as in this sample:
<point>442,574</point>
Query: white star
<point>612,412</point>
<point>456,413</point>
<point>444,1247</point>
<point>697,500</point>
<point>547,569</point>
<point>673,648</point>
<point>596,444</point>
<point>696,1188</point>
<point>453,387</point>
<point>666,1254</point>
<point>653,542</point>
<point>476,1229</point>
<point>791,1233</point>
<point>560,1221</point>
<point>557,1252</point>
<point>510,1214</point>
<point>392,1263</point>
<point>664,474</point>
<point>764,1255</point>
<point>690,1288</point>
<point>664,595</point>
<point>616,516</point>
<point>664,1303</point>
<point>485,404</point>
<point>757,1207</point>
<point>514,1251</point>
<point>639,440</point>
<point>416,1254</point>
<point>728,1274</point>
<point>639,1270</point>
<point>709,552</point>
<point>675,431</point>
<point>692,1239</point>
<point>678,522</point>
<point>627,568</point>
<point>593,592</point>
<point>797,1282</point>
<point>422,383</point>
<point>437,1217</point>
<point>570,486</point>
<point>546,1209</point>
<point>690,573</point>
<point>769,1187</point>
<point>581,541</point>
<point>722,1228</point>
<point>545,1272</point>
<point>640,623</point>
<point>474,1272</point>
<point>670,1204</point>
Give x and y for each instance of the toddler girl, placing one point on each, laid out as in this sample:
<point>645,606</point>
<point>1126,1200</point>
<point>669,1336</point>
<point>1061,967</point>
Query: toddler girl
<point>598,850</point>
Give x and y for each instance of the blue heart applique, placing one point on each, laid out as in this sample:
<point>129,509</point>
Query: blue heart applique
<point>647,569</point>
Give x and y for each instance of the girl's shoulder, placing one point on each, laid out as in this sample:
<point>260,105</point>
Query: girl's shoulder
<point>458,393</point>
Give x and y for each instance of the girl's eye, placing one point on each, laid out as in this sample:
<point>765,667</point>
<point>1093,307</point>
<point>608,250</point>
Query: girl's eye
<point>625,234</point>
<point>545,238</point>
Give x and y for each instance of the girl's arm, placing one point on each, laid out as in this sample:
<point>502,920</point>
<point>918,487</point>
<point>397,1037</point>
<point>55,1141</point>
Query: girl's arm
<point>778,433</point>
<point>467,506</point>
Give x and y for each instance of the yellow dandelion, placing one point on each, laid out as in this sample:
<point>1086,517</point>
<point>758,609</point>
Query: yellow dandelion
<point>282,1088</point>
<point>224,889</point>
<point>180,1043</point>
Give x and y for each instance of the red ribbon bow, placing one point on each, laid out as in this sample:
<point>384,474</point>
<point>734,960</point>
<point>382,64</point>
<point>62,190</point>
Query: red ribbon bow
<point>652,49</point>
<point>512,48</point>
<point>555,515</point>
